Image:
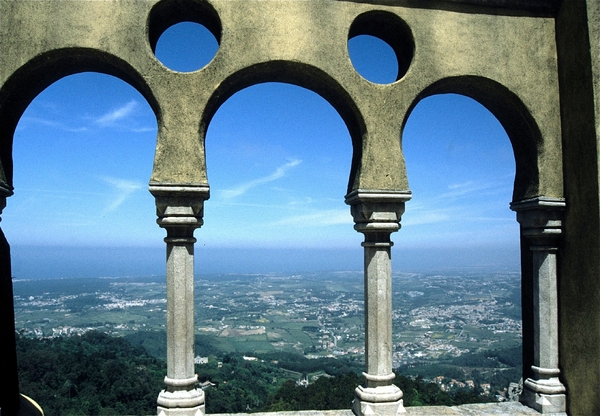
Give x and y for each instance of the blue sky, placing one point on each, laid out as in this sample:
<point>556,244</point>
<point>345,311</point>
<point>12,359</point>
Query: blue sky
<point>278,161</point>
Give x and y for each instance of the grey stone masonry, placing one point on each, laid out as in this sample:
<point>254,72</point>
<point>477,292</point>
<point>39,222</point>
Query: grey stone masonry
<point>377,214</point>
<point>534,64</point>
<point>180,210</point>
<point>541,222</point>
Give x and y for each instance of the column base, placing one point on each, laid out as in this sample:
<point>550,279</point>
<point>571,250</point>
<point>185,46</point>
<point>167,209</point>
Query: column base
<point>383,400</point>
<point>195,411</point>
<point>554,403</point>
<point>181,403</point>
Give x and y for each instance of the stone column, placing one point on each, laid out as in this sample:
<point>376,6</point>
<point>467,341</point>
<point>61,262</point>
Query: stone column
<point>180,210</point>
<point>541,222</point>
<point>377,214</point>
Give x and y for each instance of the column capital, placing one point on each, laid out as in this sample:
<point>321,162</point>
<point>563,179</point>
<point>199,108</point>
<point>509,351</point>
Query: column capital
<point>540,217</point>
<point>377,210</point>
<point>179,206</point>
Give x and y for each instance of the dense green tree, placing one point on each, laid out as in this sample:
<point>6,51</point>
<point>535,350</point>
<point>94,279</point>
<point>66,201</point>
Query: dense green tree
<point>89,375</point>
<point>96,374</point>
<point>327,393</point>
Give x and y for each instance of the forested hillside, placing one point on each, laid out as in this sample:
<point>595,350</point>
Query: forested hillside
<point>96,374</point>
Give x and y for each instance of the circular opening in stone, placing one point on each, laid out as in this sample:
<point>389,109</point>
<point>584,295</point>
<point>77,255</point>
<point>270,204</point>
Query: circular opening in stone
<point>373,59</point>
<point>186,47</point>
<point>184,36</point>
<point>381,46</point>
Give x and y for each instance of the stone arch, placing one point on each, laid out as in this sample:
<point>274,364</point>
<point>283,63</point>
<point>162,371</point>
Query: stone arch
<point>516,119</point>
<point>42,71</point>
<point>17,93</point>
<point>302,75</point>
<point>539,203</point>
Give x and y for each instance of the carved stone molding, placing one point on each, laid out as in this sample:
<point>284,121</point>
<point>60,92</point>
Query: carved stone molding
<point>377,210</point>
<point>179,206</point>
<point>541,218</point>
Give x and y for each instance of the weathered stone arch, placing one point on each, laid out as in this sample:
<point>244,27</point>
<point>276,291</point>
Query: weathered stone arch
<point>302,75</point>
<point>539,203</point>
<point>533,64</point>
<point>41,72</point>
<point>532,178</point>
<point>19,90</point>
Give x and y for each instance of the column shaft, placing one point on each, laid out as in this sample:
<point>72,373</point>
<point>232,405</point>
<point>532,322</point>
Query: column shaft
<point>378,309</point>
<point>545,304</point>
<point>180,308</point>
<point>377,214</point>
<point>541,223</point>
<point>179,210</point>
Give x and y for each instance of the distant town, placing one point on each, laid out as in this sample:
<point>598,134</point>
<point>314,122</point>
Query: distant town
<point>436,316</point>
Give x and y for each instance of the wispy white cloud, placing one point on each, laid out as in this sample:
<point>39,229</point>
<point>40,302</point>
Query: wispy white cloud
<point>460,204</point>
<point>123,188</point>
<point>467,188</point>
<point>143,129</point>
<point>117,114</point>
<point>120,117</point>
<point>323,218</point>
<point>51,123</point>
<point>244,187</point>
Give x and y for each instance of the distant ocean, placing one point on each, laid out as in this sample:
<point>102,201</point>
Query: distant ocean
<point>41,262</point>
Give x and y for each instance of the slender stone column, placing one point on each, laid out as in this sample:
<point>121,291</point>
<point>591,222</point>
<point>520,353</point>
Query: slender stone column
<point>541,222</point>
<point>377,214</point>
<point>180,210</point>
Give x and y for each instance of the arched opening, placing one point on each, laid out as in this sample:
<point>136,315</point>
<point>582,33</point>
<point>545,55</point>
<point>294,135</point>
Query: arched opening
<point>460,324</point>
<point>461,171</point>
<point>40,72</point>
<point>537,200</point>
<point>82,152</point>
<point>276,221</point>
<point>281,166</point>
<point>305,76</point>
<point>515,118</point>
<point>91,139</point>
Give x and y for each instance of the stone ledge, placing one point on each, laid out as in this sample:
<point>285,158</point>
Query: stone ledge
<point>479,409</point>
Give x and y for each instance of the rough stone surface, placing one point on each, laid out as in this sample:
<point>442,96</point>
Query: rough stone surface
<point>508,64</point>
<point>535,64</point>
<point>578,50</point>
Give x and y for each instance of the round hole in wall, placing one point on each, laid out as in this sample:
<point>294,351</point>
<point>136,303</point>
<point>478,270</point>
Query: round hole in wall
<point>381,46</point>
<point>373,59</point>
<point>184,36</point>
<point>186,47</point>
